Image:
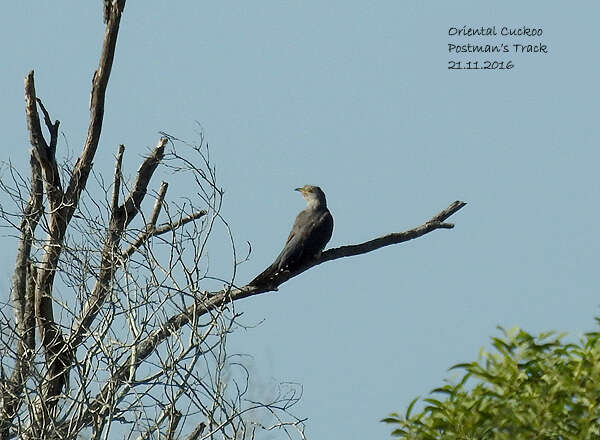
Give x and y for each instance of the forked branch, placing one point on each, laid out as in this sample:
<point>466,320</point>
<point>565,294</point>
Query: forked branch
<point>62,206</point>
<point>121,216</point>
<point>43,151</point>
<point>436,222</point>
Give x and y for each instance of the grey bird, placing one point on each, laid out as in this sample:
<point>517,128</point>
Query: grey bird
<point>310,233</point>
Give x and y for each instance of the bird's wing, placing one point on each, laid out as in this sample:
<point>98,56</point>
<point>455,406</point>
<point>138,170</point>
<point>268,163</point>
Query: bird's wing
<point>290,244</point>
<point>292,250</point>
<point>310,233</point>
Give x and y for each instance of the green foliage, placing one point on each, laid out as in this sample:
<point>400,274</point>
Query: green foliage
<point>529,388</point>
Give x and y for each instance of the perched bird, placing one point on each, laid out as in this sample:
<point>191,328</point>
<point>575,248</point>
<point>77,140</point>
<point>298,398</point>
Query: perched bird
<point>310,233</point>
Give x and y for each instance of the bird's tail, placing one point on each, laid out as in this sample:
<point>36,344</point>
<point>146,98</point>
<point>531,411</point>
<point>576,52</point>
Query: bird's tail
<point>266,276</point>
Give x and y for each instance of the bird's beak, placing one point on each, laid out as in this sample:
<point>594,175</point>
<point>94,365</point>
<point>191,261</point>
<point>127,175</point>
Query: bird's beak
<point>298,189</point>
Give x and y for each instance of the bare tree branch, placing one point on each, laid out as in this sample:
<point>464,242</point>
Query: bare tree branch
<point>174,419</point>
<point>197,432</point>
<point>106,9</point>
<point>436,222</point>
<point>52,127</point>
<point>153,232</point>
<point>211,301</point>
<point>23,302</point>
<point>131,205</point>
<point>43,152</point>
<point>58,354</point>
<point>157,205</point>
<point>120,218</point>
<point>50,334</point>
<point>83,166</point>
<point>117,179</point>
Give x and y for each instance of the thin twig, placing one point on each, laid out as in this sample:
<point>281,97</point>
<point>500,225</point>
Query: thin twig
<point>144,236</point>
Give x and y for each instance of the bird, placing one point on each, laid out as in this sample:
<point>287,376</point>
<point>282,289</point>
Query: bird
<point>310,233</point>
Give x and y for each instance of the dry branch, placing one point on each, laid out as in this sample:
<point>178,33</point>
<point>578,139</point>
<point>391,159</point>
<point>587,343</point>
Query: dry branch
<point>117,179</point>
<point>62,206</point>
<point>436,222</point>
<point>160,199</point>
<point>217,299</point>
<point>153,232</point>
<point>52,127</point>
<point>44,153</point>
<point>174,419</point>
<point>120,218</point>
<point>197,432</point>
<point>131,206</point>
<point>22,290</point>
<point>57,355</point>
<point>212,301</point>
<point>83,165</point>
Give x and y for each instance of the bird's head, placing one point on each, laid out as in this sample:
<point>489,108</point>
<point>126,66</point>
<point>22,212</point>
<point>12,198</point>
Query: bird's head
<point>314,196</point>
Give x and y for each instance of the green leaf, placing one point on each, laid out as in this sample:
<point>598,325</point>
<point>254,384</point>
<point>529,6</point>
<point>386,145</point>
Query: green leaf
<point>410,407</point>
<point>433,402</point>
<point>462,365</point>
<point>446,389</point>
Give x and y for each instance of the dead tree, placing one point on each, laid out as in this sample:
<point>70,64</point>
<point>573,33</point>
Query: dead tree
<point>127,338</point>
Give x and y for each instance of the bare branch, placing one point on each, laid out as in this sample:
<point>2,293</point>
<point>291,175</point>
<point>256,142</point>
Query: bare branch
<point>58,354</point>
<point>52,127</point>
<point>22,274</point>
<point>144,236</point>
<point>197,432</point>
<point>119,220</point>
<point>36,137</point>
<point>174,419</point>
<point>436,222</point>
<point>99,83</point>
<point>22,287</point>
<point>106,10</point>
<point>132,203</point>
<point>211,301</point>
<point>150,227</point>
<point>52,340</point>
<point>43,152</point>
<point>157,205</point>
<point>117,180</point>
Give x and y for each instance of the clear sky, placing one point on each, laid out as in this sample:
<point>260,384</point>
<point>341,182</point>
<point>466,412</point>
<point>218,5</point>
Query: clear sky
<point>354,97</point>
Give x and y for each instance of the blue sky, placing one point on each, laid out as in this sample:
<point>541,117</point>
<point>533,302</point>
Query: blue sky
<point>355,98</point>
